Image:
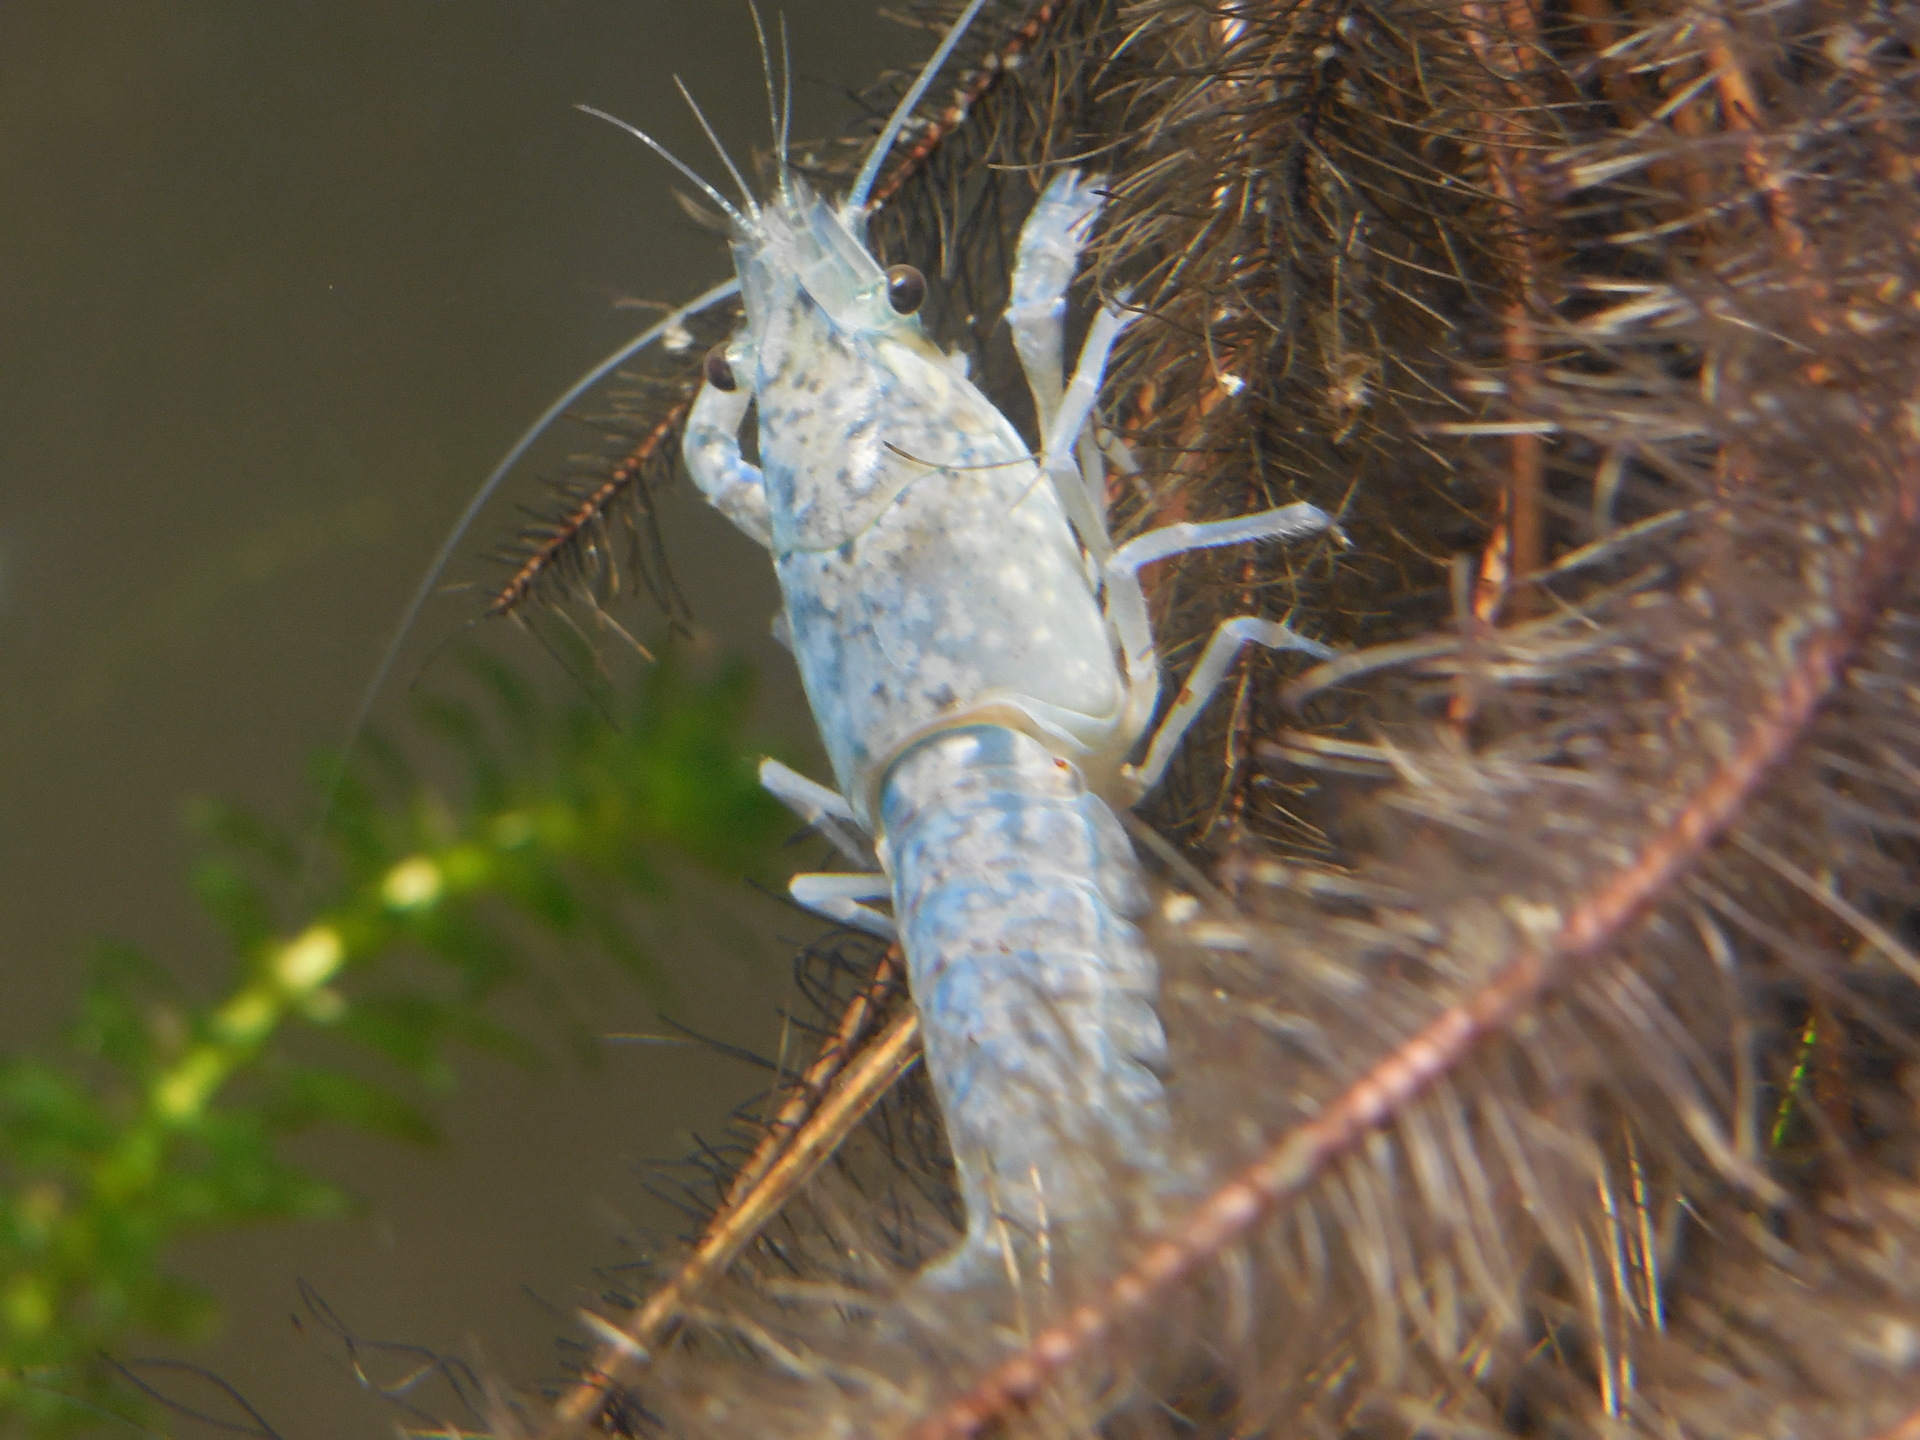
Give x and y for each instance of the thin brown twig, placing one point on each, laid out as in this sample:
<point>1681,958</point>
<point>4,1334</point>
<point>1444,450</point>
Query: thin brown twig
<point>1740,108</point>
<point>626,473</point>
<point>1604,24</point>
<point>858,1084</point>
<point>833,1056</point>
<point>1502,42</point>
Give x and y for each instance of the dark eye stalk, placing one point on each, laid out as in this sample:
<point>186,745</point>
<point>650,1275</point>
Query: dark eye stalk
<point>720,370</point>
<point>906,289</point>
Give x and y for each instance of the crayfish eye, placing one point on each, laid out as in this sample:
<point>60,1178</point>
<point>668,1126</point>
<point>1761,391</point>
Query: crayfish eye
<point>720,369</point>
<point>906,289</point>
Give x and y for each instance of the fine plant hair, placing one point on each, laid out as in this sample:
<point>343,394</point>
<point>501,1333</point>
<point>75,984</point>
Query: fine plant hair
<point>594,540</point>
<point>1540,973</point>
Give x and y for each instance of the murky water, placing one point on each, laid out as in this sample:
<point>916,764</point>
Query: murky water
<point>278,283</point>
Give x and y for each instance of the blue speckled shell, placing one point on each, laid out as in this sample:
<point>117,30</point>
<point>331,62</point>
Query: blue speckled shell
<point>1017,889</point>
<point>912,591</point>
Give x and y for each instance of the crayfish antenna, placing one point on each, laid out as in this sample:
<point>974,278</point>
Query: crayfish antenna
<point>853,208</point>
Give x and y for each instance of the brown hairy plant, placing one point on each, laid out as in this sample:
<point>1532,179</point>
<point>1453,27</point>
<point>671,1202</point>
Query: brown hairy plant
<point>595,539</point>
<point>1540,973</point>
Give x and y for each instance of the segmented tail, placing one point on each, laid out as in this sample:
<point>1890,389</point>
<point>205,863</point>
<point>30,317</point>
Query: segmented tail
<point>1015,890</point>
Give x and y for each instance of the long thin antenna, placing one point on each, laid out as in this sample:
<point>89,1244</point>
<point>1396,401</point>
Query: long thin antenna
<point>775,129</point>
<point>786,103</point>
<point>674,160</point>
<point>753,206</point>
<point>444,554</point>
<point>856,200</point>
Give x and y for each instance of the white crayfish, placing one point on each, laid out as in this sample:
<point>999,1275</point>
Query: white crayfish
<point>979,661</point>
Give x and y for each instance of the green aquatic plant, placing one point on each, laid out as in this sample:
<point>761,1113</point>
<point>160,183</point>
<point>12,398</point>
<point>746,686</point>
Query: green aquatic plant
<point>158,1114</point>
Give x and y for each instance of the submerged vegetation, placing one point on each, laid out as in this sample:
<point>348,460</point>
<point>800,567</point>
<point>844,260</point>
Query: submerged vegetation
<point>1540,974</point>
<point>160,1115</point>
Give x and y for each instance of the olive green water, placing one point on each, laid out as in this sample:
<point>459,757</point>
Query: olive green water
<point>278,283</point>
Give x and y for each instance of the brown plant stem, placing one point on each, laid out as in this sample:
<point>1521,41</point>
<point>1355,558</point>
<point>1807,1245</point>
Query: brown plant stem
<point>1501,37</point>
<point>840,1088</point>
<point>1741,109</point>
<point>836,1052</point>
<point>565,529</point>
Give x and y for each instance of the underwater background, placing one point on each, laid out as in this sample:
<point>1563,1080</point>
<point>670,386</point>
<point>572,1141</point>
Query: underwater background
<point>281,283</point>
